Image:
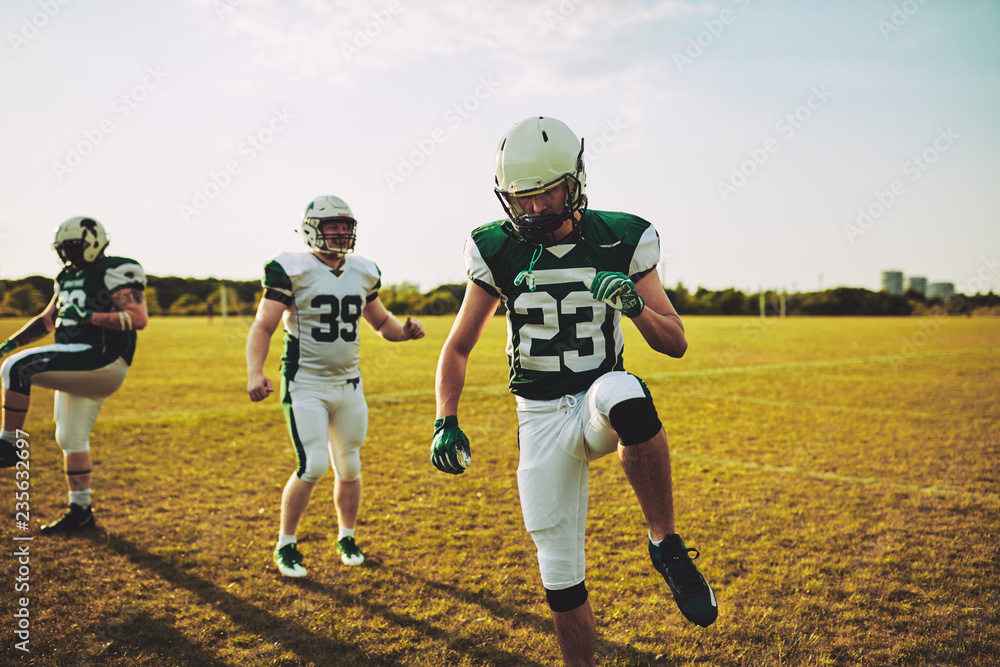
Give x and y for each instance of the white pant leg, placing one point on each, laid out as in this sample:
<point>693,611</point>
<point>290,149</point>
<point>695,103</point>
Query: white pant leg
<point>348,428</point>
<point>308,423</point>
<point>553,486</point>
<point>75,417</point>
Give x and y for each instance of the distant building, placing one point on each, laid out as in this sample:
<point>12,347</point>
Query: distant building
<point>892,282</point>
<point>917,284</point>
<point>940,290</point>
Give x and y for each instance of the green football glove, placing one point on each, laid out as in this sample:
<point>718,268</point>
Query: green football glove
<point>618,291</point>
<point>7,347</point>
<point>74,314</point>
<point>450,450</point>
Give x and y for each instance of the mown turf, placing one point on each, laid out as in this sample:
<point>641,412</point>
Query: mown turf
<point>840,476</point>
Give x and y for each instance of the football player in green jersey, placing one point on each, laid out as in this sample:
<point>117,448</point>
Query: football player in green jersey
<point>566,276</point>
<point>96,309</point>
<point>321,295</point>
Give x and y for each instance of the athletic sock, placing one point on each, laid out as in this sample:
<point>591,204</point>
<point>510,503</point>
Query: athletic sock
<point>657,543</point>
<point>285,539</point>
<point>345,532</point>
<point>9,436</point>
<point>81,498</point>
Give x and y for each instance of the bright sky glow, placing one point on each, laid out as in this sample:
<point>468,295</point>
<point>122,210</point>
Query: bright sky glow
<point>773,144</point>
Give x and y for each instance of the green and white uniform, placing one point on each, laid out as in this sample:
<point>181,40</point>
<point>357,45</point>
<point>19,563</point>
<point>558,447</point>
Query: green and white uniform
<point>87,363</point>
<point>565,351</point>
<point>321,390</point>
<point>559,338</point>
<point>91,288</point>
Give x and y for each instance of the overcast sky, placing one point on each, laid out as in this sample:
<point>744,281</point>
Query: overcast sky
<point>773,144</point>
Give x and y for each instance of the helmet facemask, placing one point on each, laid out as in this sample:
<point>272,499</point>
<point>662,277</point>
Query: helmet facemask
<point>531,228</point>
<point>329,208</point>
<point>337,243</point>
<point>80,242</point>
<point>71,252</point>
<point>535,156</point>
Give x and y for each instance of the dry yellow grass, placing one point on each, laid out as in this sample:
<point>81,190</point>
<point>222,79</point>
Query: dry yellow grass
<point>841,477</point>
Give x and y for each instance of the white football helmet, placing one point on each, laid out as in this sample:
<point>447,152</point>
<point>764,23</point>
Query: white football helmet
<point>326,208</point>
<point>534,156</point>
<point>80,241</point>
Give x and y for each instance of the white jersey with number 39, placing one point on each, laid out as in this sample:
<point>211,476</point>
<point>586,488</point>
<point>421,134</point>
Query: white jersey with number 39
<point>324,309</point>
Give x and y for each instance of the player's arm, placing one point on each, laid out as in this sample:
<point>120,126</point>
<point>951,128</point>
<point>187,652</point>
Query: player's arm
<point>37,327</point>
<point>450,448</point>
<point>477,309</point>
<point>131,314</point>
<point>387,326</point>
<point>269,313</point>
<point>659,323</point>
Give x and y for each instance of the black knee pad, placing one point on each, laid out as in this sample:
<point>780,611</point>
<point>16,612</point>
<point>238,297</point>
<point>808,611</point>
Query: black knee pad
<point>567,599</point>
<point>635,420</point>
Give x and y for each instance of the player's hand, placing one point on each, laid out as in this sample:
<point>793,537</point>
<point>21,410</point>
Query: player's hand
<point>259,387</point>
<point>450,450</point>
<point>7,347</point>
<point>72,314</point>
<point>412,329</point>
<point>618,291</point>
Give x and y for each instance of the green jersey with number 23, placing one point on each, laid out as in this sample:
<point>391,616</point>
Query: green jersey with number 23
<point>559,338</point>
<point>324,306</point>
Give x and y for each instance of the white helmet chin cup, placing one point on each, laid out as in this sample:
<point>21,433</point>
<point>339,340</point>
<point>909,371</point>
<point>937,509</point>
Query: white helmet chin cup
<point>80,241</point>
<point>323,209</point>
<point>535,155</point>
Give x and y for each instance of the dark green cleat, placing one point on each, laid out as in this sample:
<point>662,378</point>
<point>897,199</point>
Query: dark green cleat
<point>692,593</point>
<point>8,454</point>
<point>289,561</point>
<point>349,552</point>
<point>76,518</point>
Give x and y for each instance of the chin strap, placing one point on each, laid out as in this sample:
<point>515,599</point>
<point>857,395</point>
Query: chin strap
<point>526,276</point>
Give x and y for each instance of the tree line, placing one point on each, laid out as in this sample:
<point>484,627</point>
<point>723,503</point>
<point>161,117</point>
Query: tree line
<point>171,295</point>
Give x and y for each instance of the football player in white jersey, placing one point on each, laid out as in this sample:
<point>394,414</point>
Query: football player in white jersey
<point>320,295</point>
<point>567,275</point>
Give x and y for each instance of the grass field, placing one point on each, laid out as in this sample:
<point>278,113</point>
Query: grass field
<point>841,478</point>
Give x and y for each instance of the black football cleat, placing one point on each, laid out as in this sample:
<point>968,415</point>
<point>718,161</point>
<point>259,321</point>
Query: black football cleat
<point>8,454</point>
<point>76,518</point>
<point>692,593</point>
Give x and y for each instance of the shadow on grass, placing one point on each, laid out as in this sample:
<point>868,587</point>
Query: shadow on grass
<point>450,637</point>
<point>541,624</point>
<point>143,640</point>
<point>308,645</point>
